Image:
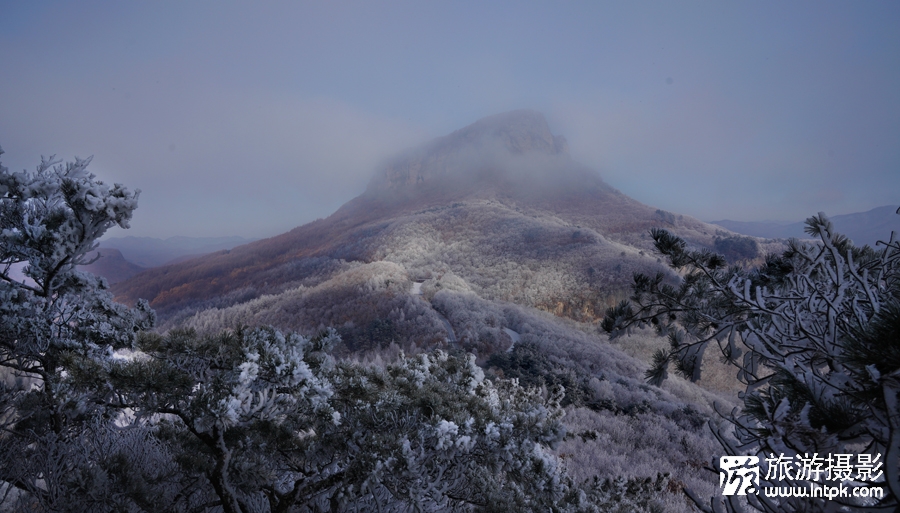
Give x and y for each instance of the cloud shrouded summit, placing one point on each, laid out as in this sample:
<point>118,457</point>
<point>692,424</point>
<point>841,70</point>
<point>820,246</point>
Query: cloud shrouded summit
<point>498,203</point>
<point>489,142</point>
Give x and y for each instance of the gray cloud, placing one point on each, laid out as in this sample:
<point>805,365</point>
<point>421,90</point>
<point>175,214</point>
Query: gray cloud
<point>249,120</point>
<point>214,161</point>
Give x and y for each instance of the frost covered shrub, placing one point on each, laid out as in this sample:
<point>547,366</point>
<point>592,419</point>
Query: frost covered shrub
<point>813,334</point>
<point>609,445</point>
<point>102,468</point>
<point>447,439</point>
<point>271,422</point>
<point>527,364</point>
<point>633,495</point>
<point>230,405</point>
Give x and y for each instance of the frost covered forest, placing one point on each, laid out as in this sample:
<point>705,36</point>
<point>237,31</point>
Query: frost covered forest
<point>414,369</point>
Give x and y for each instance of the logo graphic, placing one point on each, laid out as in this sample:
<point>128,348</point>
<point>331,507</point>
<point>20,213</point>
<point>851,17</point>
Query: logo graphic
<point>739,475</point>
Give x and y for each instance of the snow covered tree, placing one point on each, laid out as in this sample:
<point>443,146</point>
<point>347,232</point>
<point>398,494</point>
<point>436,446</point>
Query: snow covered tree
<point>429,432</point>
<point>54,319</point>
<point>814,336</point>
<point>230,408</point>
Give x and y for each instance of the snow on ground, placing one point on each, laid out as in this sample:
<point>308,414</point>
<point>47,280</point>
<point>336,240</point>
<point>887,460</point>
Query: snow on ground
<point>451,335</point>
<point>514,336</point>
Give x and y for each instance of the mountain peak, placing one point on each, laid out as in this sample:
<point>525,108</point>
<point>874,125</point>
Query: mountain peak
<point>519,131</point>
<point>481,144</point>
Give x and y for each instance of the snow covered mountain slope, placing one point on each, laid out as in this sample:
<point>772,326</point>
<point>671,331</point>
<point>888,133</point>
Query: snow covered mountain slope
<point>499,204</point>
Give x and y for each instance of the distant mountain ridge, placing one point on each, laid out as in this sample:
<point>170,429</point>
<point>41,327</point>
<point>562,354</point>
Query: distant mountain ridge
<point>153,252</point>
<point>861,227</point>
<point>120,258</point>
<point>110,264</point>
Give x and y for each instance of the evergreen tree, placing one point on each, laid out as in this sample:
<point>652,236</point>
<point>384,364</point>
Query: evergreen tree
<point>52,320</point>
<point>814,336</point>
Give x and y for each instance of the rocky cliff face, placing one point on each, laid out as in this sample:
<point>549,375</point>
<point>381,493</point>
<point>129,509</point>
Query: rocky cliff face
<point>482,144</point>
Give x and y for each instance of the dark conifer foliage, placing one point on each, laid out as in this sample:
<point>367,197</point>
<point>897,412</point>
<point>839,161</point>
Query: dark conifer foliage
<point>813,334</point>
<point>53,319</point>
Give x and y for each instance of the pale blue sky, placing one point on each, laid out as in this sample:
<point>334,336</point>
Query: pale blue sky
<point>250,118</point>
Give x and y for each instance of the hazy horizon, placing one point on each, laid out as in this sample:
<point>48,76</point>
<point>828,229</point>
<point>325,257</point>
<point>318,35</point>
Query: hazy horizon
<point>249,120</point>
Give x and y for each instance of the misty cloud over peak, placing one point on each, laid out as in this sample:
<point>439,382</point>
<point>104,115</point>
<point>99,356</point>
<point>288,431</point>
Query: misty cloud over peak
<point>519,131</point>
<point>518,140</point>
